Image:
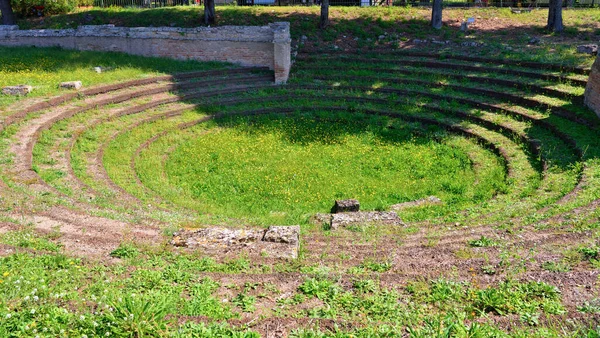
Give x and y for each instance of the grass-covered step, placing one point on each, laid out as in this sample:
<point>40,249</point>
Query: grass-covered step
<point>509,83</point>
<point>431,89</point>
<point>170,149</point>
<point>471,58</point>
<point>514,71</point>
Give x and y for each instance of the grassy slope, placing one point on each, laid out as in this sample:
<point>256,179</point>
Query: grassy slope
<point>44,71</point>
<point>136,294</point>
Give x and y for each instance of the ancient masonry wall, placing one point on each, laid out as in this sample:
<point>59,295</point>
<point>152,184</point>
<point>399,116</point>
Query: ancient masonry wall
<point>264,46</point>
<point>592,90</point>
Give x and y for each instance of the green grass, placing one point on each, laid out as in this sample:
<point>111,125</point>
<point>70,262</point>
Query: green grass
<point>293,167</point>
<point>236,171</point>
<point>147,294</point>
<point>46,68</point>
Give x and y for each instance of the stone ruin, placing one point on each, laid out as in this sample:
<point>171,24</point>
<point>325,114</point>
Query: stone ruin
<point>346,213</point>
<point>592,90</point>
<point>276,241</point>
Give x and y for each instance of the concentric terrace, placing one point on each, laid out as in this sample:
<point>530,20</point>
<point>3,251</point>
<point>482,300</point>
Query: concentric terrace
<point>95,182</point>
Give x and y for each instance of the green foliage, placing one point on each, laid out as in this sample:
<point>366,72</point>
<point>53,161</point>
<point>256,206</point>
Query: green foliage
<point>483,242</point>
<point>201,330</point>
<point>592,306</point>
<point>365,286</point>
<point>245,302</point>
<point>449,327</point>
<point>202,303</point>
<point>43,7</point>
<point>590,253</point>
<point>139,316</point>
<point>370,265</point>
<point>28,239</point>
<point>125,250</point>
<point>556,266</point>
<point>519,298</point>
<point>320,288</point>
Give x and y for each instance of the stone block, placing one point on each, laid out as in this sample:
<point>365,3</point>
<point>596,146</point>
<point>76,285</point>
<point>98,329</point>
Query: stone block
<point>17,90</point>
<point>283,234</point>
<point>350,205</point>
<point>588,49</point>
<point>365,218</point>
<point>276,241</point>
<point>71,85</point>
<point>592,90</point>
<point>9,28</point>
<point>215,237</point>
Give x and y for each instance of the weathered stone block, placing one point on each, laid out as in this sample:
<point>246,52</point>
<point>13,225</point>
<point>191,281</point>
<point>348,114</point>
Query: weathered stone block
<point>17,90</point>
<point>588,49</point>
<point>283,234</point>
<point>365,218</point>
<point>9,27</point>
<point>276,241</point>
<point>592,90</point>
<point>350,205</point>
<point>215,237</point>
<point>320,219</point>
<point>71,85</point>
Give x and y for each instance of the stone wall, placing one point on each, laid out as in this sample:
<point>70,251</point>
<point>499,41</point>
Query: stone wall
<point>592,90</point>
<point>265,46</point>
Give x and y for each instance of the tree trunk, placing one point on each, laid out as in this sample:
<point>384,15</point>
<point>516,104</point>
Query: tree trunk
<point>436,14</point>
<point>324,14</point>
<point>8,17</point>
<point>209,12</point>
<point>555,21</point>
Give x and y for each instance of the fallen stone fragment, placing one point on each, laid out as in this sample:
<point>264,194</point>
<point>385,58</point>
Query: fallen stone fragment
<point>283,234</point>
<point>365,218</point>
<point>17,90</point>
<point>100,69</point>
<point>345,206</point>
<point>71,85</point>
<point>520,11</point>
<point>431,200</point>
<point>588,49</point>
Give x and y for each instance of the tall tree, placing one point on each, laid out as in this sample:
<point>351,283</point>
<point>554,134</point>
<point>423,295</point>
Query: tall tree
<point>555,21</point>
<point>8,17</point>
<point>209,12</point>
<point>436,14</point>
<point>324,22</point>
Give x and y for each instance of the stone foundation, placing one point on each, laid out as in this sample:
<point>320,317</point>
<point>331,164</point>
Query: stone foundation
<point>592,90</point>
<point>253,46</point>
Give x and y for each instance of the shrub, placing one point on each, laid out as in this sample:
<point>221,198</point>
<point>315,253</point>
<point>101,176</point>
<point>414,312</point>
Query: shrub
<point>125,250</point>
<point>26,8</point>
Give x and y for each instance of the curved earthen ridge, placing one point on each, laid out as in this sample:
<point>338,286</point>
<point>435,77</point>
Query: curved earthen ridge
<point>97,202</point>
